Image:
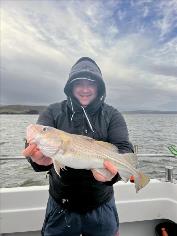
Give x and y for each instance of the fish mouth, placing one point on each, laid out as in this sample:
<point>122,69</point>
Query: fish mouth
<point>32,133</point>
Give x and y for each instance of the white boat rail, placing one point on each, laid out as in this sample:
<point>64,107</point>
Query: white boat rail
<point>138,155</point>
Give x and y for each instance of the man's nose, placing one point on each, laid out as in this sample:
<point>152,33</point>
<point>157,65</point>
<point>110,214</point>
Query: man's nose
<point>85,88</point>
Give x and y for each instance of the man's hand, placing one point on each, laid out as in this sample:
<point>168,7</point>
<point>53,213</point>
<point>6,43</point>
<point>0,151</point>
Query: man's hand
<point>36,155</point>
<point>110,168</point>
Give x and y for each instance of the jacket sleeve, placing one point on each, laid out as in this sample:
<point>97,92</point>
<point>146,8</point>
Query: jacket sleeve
<point>118,135</point>
<point>45,118</point>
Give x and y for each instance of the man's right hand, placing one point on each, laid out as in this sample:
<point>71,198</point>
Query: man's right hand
<point>36,155</point>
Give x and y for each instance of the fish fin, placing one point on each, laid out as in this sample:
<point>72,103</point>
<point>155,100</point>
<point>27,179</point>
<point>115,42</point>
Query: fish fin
<point>109,146</point>
<point>83,137</point>
<point>125,176</point>
<point>57,166</point>
<point>141,180</point>
<point>125,179</point>
<point>105,173</point>
<point>131,158</point>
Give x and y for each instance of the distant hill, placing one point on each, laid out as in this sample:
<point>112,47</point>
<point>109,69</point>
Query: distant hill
<point>21,109</point>
<point>149,112</point>
<point>27,109</point>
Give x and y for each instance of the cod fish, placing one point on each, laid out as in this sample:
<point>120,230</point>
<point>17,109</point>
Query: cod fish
<point>82,152</point>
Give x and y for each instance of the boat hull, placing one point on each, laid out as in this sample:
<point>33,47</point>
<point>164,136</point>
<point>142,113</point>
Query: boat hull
<point>23,208</point>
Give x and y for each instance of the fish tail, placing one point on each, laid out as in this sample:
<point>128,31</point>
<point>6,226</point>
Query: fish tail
<point>141,180</point>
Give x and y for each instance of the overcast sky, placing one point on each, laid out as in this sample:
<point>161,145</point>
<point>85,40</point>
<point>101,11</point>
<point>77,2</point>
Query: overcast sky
<point>133,42</point>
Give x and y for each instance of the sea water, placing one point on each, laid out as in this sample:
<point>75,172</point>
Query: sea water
<point>153,133</point>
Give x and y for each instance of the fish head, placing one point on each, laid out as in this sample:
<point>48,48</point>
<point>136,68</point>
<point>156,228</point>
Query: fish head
<point>47,138</point>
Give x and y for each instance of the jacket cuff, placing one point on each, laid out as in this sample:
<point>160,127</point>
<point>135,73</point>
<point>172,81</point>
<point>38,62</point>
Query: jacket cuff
<point>38,168</point>
<point>115,179</point>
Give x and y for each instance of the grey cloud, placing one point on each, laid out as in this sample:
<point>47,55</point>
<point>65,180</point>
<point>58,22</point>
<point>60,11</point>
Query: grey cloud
<point>168,70</point>
<point>136,94</point>
<point>56,33</point>
<point>36,90</point>
<point>170,105</point>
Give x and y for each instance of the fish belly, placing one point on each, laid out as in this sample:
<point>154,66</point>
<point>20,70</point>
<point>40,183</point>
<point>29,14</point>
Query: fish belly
<point>78,162</point>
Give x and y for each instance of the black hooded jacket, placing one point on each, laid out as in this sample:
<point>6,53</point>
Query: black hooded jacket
<point>77,189</point>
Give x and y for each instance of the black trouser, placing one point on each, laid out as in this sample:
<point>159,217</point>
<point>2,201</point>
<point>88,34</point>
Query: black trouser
<point>102,221</point>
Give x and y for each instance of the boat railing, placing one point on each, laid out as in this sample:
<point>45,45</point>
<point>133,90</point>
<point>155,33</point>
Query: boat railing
<point>5,158</point>
<point>168,169</point>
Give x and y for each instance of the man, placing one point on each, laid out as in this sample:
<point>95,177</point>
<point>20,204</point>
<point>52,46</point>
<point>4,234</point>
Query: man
<point>82,201</point>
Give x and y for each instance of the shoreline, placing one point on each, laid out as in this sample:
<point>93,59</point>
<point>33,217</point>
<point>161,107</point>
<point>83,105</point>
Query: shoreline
<point>35,110</point>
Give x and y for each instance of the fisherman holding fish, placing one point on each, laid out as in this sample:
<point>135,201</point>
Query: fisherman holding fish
<point>85,160</point>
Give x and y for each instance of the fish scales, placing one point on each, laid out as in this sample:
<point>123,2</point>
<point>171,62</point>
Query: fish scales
<point>91,148</point>
<point>86,147</point>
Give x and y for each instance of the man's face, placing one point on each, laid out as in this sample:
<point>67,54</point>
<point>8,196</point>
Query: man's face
<point>85,91</point>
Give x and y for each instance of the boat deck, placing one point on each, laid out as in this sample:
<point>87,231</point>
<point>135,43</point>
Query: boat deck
<point>23,208</point>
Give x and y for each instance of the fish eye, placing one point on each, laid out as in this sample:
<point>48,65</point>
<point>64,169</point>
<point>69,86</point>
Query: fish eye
<point>45,129</point>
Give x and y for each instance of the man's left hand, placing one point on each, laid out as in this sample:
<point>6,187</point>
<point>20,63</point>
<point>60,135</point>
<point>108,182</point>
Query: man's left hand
<point>109,168</point>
